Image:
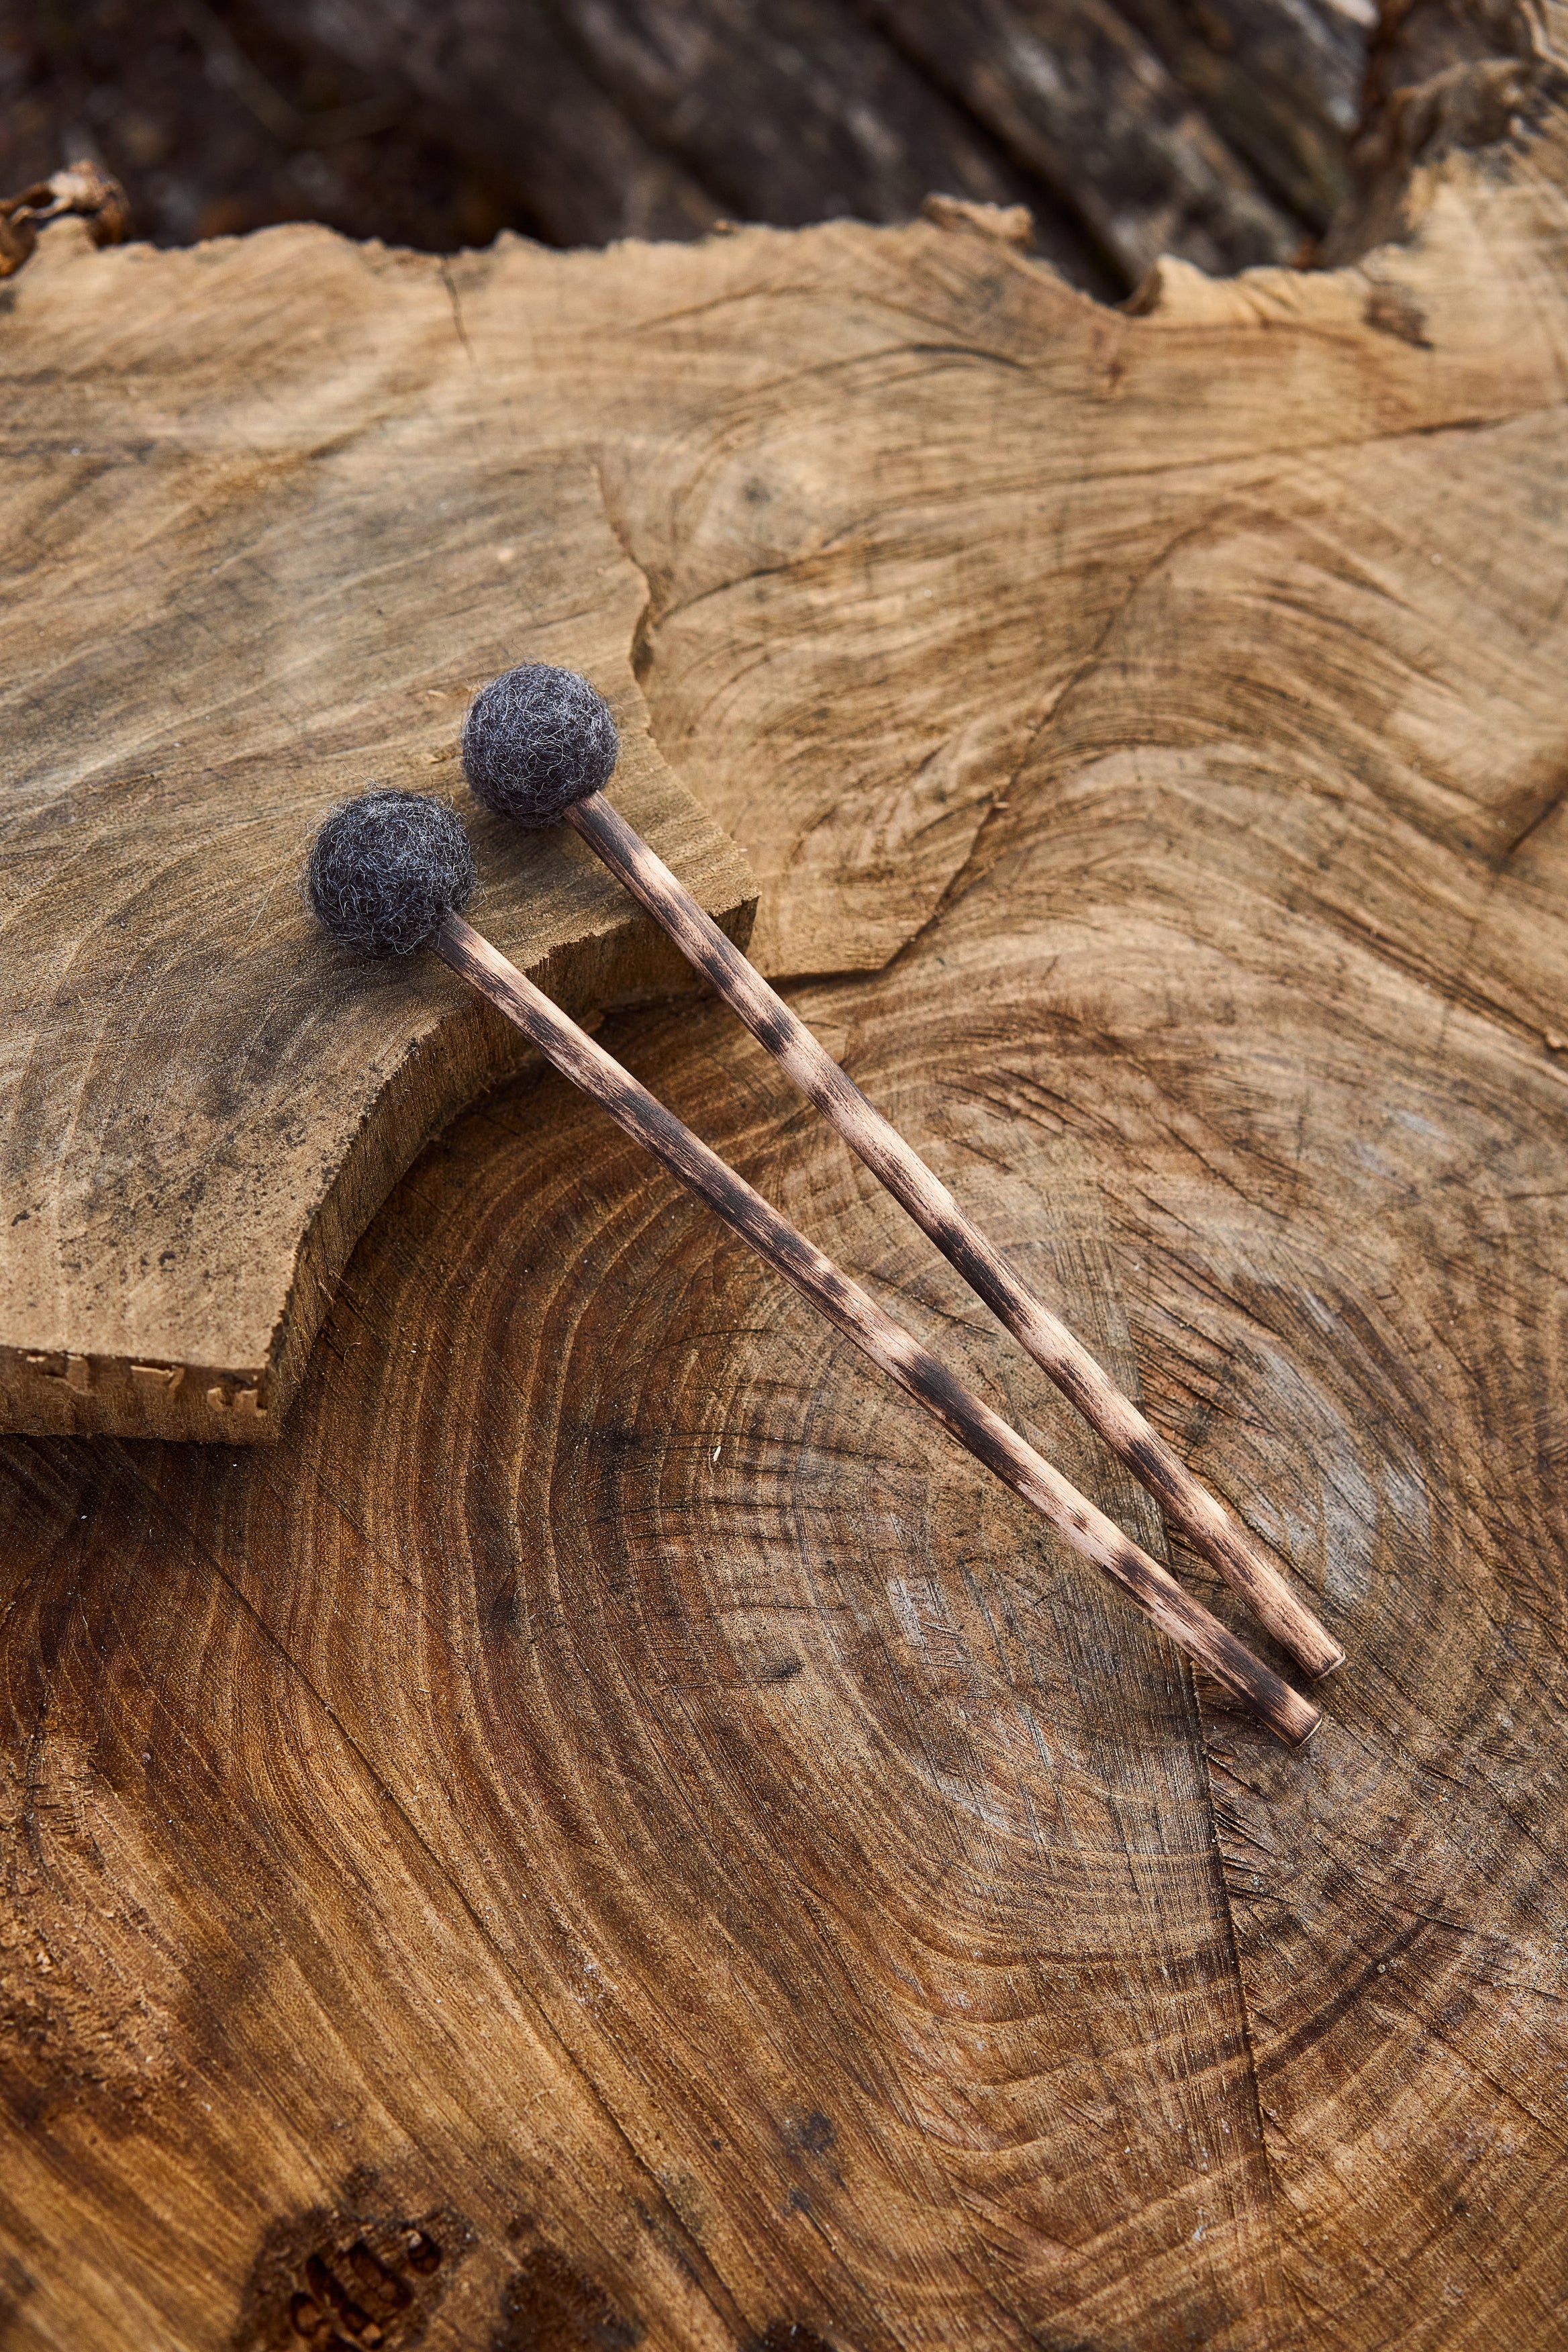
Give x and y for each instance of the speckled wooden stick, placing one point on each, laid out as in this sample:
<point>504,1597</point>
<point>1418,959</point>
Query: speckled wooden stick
<point>889,1345</point>
<point>1205,1522</point>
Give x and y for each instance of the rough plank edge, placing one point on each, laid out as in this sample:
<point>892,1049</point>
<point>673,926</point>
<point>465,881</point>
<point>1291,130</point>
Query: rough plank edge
<point>469,1053</point>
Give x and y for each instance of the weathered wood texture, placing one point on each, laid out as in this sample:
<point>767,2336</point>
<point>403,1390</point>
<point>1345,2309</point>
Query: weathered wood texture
<point>889,1344</point>
<point>1188,1505</point>
<point>604,1798</point>
<point>266,529</point>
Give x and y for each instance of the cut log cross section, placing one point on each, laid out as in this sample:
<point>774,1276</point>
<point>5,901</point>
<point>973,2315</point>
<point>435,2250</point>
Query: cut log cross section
<point>888,1346</point>
<point>604,1829</point>
<point>1048,1339</point>
<point>251,590</point>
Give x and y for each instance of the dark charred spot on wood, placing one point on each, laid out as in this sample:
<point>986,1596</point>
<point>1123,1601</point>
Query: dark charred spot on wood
<point>789,2335</point>
<point>782,1669</point>
<point>381,2285</point>
<point>1133,1568</point>
<point>549,2306</point>
<point>773,1026</point>
<point>348,2278</point>
<point>506,1609</point>
<point>30,2105</point>
<point>811,2133</point>
<point>1392,311</point>
<point>1146,1458</point>
<point>620,1438</point>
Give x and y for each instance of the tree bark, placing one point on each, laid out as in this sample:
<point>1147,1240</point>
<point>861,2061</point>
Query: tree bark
<point>1132,128</point>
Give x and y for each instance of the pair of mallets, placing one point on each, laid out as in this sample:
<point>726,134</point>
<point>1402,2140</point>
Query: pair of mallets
<point>391,871</point>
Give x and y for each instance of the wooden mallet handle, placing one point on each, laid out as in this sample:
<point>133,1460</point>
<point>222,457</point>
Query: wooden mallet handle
<point>1189,1505</point>
<point>888,1344</point>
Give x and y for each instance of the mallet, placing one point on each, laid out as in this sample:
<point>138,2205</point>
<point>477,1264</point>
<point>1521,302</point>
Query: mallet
<point>389,872</point>
<point>538,744</point>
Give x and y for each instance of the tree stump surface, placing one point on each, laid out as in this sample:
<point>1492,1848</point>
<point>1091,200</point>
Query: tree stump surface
<point>266,548</point>
<point>608,1831</point>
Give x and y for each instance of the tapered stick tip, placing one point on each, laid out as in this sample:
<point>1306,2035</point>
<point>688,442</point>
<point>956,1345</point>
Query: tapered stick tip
<point>1299,1719</point>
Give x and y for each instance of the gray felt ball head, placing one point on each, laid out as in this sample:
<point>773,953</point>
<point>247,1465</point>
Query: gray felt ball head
<point>535,739</point>
<point>386,869</point>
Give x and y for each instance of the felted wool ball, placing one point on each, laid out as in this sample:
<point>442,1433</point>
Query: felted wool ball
<point>535,739</point>
<point>386,869</point>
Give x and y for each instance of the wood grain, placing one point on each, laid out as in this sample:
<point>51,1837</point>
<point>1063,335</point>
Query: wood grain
<point>895,1163</point>
<point>824,1287</point>
<point>604,1727</point>
<point>672,1815</point>
<point>898,502</point>
<point>260,562</point>
<point>602,1797</point>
